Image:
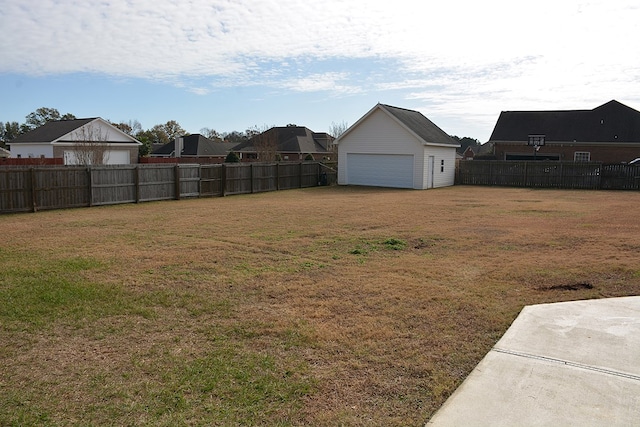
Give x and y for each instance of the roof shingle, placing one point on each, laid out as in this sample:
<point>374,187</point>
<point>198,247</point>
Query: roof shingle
<point>610,122</point>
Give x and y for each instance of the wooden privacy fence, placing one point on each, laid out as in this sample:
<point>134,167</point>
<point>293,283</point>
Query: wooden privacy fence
<point>543,174</point>
<point>58,187</point>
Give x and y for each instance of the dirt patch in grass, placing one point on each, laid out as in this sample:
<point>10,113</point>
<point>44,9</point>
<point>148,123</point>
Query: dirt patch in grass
<point>323,306</point>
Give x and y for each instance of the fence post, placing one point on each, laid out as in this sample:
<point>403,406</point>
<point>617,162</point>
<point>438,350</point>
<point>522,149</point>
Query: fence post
<point>278,176</point>
<point>90,179</point>
<point>33,190</point>
<point>137,183</point>
<point>301,170</point>
<point>490,173</point>
<point>177,181</point>
<point>223,180</point>
<point>251,177</point>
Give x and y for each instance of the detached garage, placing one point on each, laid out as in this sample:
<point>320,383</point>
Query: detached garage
<point>395,147</point>
<point>92,141</point>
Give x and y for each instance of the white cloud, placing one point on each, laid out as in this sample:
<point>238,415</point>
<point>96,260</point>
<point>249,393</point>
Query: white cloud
<point>331,82</point>
<point>455,56</point>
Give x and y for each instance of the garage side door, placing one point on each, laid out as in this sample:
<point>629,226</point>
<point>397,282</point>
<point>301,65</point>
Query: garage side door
<point>380,170</point>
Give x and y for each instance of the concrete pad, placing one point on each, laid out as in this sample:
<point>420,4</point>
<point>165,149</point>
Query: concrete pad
<point>564,364</point>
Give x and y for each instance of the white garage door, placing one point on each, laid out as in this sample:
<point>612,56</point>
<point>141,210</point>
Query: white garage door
<point>109,157</point>
<point>380,170</point>
<point>117,157</point>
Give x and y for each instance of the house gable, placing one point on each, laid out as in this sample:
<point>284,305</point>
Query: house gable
<point>74,140</point>
<point>70,131</point>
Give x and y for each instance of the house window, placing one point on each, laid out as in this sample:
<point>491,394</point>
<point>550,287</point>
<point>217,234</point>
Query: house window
<point>581,156</point>
<point>19,156</point>
<point>441,166</point>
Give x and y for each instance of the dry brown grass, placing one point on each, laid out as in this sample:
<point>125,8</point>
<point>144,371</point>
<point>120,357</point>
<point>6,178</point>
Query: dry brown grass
<point>383,300</point>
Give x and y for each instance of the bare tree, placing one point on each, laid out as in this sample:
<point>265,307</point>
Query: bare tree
<point>90,146</point>
<point>265,142</point>
<point>212,134</point>
<point>335,130</point>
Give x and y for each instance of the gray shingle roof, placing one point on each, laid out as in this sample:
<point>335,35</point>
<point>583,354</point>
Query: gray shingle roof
<point>51,131</point>
<point>291,139</point>
<point>610,122</point>
<point>197,145</point>
<point>420,125</point>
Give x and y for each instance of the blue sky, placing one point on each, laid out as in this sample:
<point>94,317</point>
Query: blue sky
<point>234,64</point>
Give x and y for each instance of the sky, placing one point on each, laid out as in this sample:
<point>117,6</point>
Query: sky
<point>236,64</point>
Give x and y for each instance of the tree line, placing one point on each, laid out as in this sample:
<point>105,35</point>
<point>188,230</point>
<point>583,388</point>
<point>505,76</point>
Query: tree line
<point>158,134</point>
<point>162,133</point>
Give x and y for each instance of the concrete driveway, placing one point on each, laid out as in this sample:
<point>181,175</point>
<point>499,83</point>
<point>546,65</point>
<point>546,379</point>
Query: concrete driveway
<point>563,364</point>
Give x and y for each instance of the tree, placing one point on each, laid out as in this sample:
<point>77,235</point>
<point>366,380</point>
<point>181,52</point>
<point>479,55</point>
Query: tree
<point>265,142</point>
<point>130,128</point>
<point>211,134</point>
<point>232,158</point>
<point>90,146</point>
<point>234,136</point>
<point>173,129</point>
<point>158,135</point>
<point>147,143</point>
<point>41,116</point>
<point>8,131</point>
<point>336,130</point>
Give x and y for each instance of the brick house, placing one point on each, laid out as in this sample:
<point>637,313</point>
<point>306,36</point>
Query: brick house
<point>609,133</point>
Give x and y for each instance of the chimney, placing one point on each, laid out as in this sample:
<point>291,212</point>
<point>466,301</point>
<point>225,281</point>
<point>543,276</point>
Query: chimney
<point>178,146</point>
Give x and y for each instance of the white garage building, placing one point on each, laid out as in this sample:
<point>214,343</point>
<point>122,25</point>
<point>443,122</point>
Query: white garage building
<point>86,142</point>
<point>396,147</point>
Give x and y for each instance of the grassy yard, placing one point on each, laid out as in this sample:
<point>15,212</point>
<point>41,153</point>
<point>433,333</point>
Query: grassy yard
<point>323,306</point>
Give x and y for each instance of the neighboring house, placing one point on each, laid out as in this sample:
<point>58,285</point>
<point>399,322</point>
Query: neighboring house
<point>195,146</point>
<point>395,147</point>
<point>288,143</point>
<point>78,142</point>
<point>468,154</point>
<point>4,153</point>
<point>609,133</point>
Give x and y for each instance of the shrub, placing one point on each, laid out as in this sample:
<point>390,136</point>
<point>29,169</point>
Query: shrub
<point>232,158</point>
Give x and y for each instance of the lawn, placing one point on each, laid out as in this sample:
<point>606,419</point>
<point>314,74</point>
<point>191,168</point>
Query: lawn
<point>321,306</point>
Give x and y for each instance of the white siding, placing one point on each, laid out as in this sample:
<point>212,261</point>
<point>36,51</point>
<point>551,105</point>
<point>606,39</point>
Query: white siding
<point>380,134</point>
<point>377,133</point>
<point>31,150</point>
<point>109,157</point>
<point>97,131</point>
<point>444,166</point>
